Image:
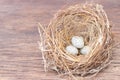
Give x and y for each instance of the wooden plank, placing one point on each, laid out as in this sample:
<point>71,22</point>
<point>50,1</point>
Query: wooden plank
<point>20,58</point>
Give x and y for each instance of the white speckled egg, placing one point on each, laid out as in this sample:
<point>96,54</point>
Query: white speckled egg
<point>72,50</point>
<point>85,50</point>
<point>77,41</point>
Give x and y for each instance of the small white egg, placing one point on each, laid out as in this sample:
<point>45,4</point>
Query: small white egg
<point>77,41</point>
<point>72,50</point>
<point>85,50</point>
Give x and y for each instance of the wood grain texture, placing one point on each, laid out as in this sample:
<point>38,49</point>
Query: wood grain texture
<point>20,58</point>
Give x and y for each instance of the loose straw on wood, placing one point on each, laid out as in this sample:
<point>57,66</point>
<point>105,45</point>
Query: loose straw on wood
<point>87,20</point>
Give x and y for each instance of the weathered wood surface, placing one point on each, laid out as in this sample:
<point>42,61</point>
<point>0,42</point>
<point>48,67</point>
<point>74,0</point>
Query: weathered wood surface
<point>20,58</point>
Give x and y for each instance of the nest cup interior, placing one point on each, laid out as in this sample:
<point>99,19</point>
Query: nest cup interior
<point>87,20</point>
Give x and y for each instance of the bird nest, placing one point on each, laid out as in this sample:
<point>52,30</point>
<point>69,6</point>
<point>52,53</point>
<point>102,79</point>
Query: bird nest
<point>87,20</point>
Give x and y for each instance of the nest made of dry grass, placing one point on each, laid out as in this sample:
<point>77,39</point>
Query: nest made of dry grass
<point>87,20</point>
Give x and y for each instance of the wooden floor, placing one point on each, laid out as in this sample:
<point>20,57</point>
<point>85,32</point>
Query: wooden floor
<point>20,58</point>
